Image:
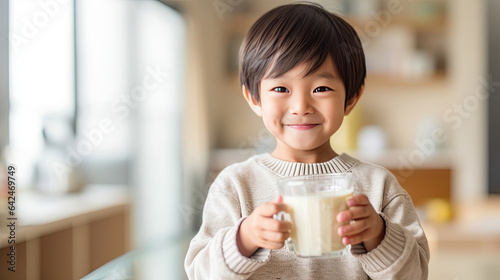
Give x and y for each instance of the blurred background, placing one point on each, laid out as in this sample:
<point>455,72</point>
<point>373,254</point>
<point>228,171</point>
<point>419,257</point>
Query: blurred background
<point>118,114</point>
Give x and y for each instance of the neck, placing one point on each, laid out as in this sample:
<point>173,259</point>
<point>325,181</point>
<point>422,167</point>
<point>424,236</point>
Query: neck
<point>321,154</point>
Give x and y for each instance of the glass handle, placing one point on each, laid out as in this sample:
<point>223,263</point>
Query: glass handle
<point>280,216</point>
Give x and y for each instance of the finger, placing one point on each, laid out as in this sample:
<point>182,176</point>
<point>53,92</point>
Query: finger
<point>271,208</point>
<point>354,228</point>
<point>355,239</point>
<point>271,245</point>
<point>358,200</point>
<point>275,225</point>
<point>274,237</point>
<point>279,198</point>
<point>354,213</point>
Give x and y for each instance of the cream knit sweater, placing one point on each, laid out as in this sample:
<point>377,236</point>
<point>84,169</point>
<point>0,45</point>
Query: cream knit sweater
<point>241,187</point>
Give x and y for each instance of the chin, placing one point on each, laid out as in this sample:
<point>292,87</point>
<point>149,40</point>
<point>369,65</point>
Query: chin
<point>304,148</point>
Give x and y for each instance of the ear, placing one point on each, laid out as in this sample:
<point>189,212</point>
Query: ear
<point>251,101</point>
<point>350,105</point>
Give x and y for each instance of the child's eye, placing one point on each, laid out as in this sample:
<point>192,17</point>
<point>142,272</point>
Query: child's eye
<point>322,89</point>
<point>280,89</point>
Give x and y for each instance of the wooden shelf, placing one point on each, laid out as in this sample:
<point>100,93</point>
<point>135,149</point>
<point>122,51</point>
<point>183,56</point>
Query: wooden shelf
<point>238,25</point>
<point>438,24</point>
<point>475,226</point>
<point>374,81</point>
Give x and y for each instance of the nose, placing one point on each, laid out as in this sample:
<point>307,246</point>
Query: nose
<point>300,104</point>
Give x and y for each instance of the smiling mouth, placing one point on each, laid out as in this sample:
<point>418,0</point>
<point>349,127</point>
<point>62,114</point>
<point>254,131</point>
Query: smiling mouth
<point>302,126</point>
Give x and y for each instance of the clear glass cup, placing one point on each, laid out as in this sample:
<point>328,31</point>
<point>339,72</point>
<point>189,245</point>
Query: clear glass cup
<point>314,202</point>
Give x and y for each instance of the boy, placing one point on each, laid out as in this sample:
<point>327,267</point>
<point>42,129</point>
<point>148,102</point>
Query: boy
<point>302,70</point>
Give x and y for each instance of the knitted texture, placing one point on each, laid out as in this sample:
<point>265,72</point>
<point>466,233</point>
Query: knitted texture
<point>241,187</point>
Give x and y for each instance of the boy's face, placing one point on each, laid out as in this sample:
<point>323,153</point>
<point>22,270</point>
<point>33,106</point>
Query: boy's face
<point>302,112</point>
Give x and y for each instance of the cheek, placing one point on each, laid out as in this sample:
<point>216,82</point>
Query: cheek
<point>271,114</point>
<point>271,120</point>
<point>335,115</point>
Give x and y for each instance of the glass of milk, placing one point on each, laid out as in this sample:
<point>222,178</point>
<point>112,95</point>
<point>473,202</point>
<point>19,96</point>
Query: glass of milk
<point>313,204</point>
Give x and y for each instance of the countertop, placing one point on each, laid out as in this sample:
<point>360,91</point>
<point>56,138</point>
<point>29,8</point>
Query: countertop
<point>39,214</point>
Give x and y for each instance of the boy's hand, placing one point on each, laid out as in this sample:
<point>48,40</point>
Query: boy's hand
<point>368,227</point>
<point>261,230</point>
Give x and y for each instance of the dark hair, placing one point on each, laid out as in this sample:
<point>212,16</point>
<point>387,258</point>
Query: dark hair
<point>289,35</point>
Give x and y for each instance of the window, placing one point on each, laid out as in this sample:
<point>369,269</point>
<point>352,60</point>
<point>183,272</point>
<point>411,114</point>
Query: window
<point>41,82</point>
<point>97,91</point>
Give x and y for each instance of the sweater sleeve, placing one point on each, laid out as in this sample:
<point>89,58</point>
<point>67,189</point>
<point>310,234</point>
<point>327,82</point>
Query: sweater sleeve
<point>213,252</point>
<point>404,251</point>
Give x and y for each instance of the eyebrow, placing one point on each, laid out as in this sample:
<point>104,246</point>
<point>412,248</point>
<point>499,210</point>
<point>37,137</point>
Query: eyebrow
<point>326,75</point>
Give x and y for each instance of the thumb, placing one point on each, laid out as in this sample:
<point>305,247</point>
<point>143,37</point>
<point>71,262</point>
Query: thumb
<point>279,198</point>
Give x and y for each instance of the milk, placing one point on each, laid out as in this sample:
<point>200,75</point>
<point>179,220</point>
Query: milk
<point>314,222</point>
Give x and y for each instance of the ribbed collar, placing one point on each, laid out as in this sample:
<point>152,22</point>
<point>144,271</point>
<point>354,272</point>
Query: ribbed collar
<point>339,164</point>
